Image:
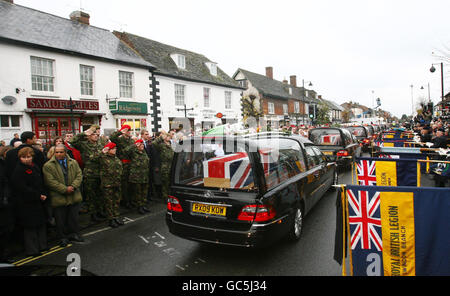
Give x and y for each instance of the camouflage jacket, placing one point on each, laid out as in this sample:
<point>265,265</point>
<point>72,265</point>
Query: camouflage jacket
<point>139,167</point>
<point>123,143</point>
<point>165,153</point>
<point>90,153</point>
<point>110,170</point>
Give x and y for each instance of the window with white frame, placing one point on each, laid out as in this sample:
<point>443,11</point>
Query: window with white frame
<point>42,74</point>
<point>296,107</point>
<point>179,94</point>
<point>206,97</point>
<point>212,68</point>
<point>9,121</point>
<point>181,61</point>
<point>227,99</point>
<point>126,84</point>
<point>285,109</point>
<point>271,108</point>
<point>87,80</point>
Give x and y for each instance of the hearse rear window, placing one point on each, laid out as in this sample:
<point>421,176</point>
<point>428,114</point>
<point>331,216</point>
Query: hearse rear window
<point>208,165</point>
<point>326,137</point>
<point>357,131</point>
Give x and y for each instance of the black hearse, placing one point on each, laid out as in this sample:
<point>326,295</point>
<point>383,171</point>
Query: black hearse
<point>245,191</point>
<point>337,143</point>
<point>363,134</point>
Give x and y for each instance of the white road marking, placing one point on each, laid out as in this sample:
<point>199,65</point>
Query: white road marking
<point>144,239</point>
<point>180,267</point>
<point>162,237</point>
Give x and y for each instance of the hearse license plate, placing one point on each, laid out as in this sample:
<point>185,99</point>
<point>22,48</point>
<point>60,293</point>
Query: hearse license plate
<point>328,152</point>
<point>207,209</point>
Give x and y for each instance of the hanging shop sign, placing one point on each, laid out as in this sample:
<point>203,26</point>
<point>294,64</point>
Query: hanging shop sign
<point>54,104</point>
<point>130,108</point>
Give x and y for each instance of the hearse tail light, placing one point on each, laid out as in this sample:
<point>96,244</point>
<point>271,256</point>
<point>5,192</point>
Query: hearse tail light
<point>342,153</point>
<point>173,204</point>
<point>257,213</point>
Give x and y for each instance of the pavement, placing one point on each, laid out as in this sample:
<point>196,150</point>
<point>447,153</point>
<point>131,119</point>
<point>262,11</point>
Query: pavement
<point>16,251</point>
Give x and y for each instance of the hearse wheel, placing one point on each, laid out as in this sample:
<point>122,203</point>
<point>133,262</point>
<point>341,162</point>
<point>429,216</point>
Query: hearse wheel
<point>296,228</point>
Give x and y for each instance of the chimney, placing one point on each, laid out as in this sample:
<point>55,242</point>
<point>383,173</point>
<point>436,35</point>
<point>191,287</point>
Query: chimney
<point>80,16</point>
<point>293,79</point>
<point>285,81</point>
<point>269,72</point>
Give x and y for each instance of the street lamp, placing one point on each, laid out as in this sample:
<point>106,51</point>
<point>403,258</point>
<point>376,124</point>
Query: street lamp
<point>432,69</point>
<point>310,84</point>
<point>412,100</point>
<point>429,98</point>
<point>71,106</point>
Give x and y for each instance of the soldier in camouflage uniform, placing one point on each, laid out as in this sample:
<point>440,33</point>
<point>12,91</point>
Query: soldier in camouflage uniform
<point>110,176</point>
<point>122,138</point>
<point>164,148</point>
<point>90,148</point>
<point>139,168</point>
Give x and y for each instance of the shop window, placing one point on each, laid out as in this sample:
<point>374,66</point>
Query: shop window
<point>136,124</point>
<point>9,121</point>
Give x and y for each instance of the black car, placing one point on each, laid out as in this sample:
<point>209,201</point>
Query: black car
<point>337,143</point>
<point>247,191</point>
<point>364,136</point>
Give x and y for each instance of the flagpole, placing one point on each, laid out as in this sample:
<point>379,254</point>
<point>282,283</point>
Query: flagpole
<point>349,237</point>
<point>344,271</point>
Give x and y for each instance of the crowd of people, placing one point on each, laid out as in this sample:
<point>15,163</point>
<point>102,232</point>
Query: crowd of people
<point>433,131</point>
<point>83,173</point>
<point>96,174</point>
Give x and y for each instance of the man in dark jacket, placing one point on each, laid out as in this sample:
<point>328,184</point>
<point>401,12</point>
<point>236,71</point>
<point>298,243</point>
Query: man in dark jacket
<point>6,212</point>
<point>425,135</point>
<point>149,149</point>
<point>28,139</point>
<point>441,140</point>
<point>15,139</point>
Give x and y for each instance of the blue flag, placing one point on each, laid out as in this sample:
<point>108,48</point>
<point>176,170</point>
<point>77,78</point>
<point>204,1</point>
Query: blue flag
<point>399,231</point>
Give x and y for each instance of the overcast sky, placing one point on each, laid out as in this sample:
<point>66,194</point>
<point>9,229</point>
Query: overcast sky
<point>355,50</point>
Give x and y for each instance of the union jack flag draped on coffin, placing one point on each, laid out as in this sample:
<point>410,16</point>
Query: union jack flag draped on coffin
<point>398,231</point>
<point>330,139</point>
<point>229,171</point>
<point>387,172</point>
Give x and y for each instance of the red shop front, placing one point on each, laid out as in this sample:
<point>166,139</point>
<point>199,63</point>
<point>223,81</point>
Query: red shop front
<point>52,118</point>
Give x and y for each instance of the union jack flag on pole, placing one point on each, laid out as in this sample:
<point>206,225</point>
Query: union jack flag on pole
<point>394,231</point>
<point>366,172</point>
<point>364,219</point>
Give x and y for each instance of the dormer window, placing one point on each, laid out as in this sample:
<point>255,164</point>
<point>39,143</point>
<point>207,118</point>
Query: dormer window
<point>179,59</point>
<point>212,68</point>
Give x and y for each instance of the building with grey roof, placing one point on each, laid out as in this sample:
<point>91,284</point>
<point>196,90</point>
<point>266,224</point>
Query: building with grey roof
<point>279,101</point>
<point>48,60</point>
<point>189,85</point>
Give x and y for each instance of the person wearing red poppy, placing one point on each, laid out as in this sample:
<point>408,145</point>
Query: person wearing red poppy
<point>28,185</point>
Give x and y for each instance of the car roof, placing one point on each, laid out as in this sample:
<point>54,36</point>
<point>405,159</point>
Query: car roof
<point>319,128</point>
<point>252,137</point>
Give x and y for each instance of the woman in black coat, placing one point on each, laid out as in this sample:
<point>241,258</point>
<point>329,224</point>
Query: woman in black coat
<point>6,210</point>
<point>29,193</point>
